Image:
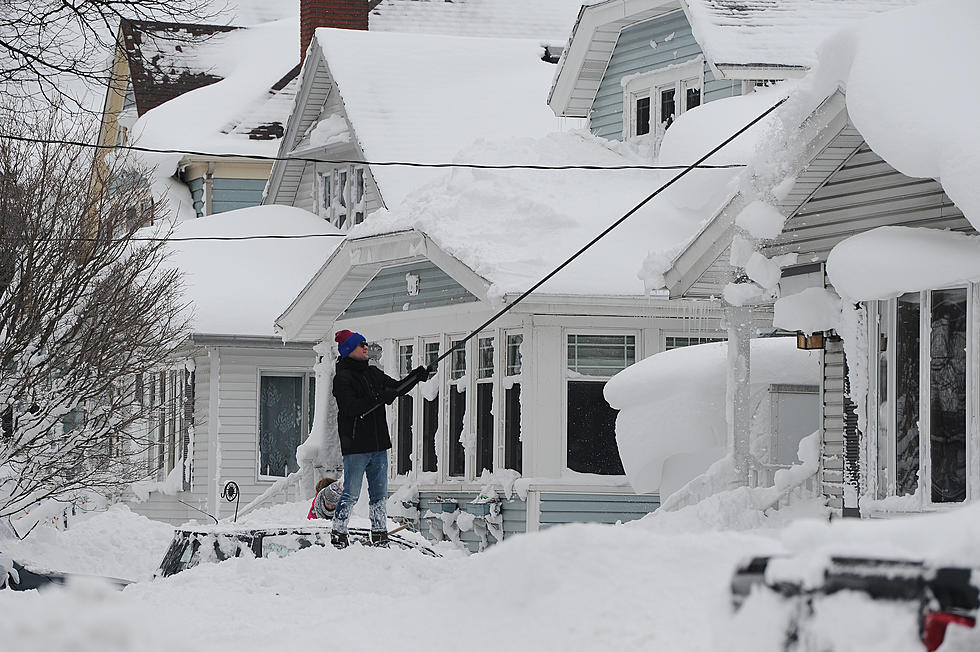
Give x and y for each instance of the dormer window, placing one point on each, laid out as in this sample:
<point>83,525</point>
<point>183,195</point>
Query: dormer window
<point>653,100</point>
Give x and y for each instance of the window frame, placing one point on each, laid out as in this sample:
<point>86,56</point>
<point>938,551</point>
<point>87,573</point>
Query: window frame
<point>305,413</point>
<point>878,435</point>
<point>567,377</point>
<point>650,84</point>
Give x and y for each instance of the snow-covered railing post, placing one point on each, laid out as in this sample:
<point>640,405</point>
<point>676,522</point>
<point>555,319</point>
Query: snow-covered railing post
<point>738,395</point>
<point>320,455</point>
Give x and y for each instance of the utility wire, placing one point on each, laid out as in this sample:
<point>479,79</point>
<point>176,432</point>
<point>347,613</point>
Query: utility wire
<point>410,164</point>
<point>224,238</point>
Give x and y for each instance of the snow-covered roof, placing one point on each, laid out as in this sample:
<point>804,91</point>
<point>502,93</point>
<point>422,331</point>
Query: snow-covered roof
<point>763,33</point>
<point>512,227</point>
<point>240,287</point>
<point>421,97</point>
<point>247,63</point>
<point>549,21</point>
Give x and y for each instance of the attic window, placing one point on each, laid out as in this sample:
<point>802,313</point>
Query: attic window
<point>653,100</point>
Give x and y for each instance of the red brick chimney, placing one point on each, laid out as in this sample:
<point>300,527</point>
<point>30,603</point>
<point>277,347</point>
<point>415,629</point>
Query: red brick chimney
<point>344,14</point>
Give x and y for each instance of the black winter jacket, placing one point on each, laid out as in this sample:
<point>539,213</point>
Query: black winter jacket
<point>358,387</point>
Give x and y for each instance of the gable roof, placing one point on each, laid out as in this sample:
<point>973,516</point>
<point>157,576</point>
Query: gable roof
<point>422,97</point>
<point>549,21</point>
<point>741,39</point>
<point>774,33</point>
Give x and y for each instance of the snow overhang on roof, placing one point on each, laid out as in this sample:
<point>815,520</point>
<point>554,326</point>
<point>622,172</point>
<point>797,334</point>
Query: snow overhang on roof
<point>590,47</point>
<point>351,267</point>
<point>773,39</point>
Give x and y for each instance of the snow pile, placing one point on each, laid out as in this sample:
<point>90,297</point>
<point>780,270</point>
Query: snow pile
<point>673,406</point>
<point>918,135</point>
<point>240,287</point>
<point>810,310</point>
<point>115,543</point>
<point>889,261</point>
<point>514,226</point>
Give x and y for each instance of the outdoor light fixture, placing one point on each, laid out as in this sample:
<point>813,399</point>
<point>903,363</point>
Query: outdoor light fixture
<point>809,342</point>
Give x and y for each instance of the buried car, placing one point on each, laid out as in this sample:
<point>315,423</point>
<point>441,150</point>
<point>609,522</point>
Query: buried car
<point>18,577</point>
<point>192,546</point>
<point>941,597</point>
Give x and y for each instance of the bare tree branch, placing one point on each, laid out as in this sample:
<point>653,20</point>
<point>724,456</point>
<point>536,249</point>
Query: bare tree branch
<point>84,311</point>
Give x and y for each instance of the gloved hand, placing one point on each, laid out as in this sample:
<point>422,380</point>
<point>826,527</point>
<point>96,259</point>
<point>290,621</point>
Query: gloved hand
<point>422,374</point>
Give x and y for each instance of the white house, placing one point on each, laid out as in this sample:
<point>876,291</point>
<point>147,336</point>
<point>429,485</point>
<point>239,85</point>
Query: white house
<point>881,220</point>
<point>237,405</point>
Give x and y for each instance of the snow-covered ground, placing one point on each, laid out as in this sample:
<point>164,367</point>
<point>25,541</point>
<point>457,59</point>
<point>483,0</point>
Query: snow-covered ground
<point>660,583</point>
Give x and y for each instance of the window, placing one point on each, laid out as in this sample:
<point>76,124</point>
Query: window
<point>653,100</point>
<point>168,397</point>
<point>591,421</point>
<point>357,196</point>
<point>676,342</point>
<point>326,194</point>
<point>513,448</point>
<point>484,405</point>
<point>457,410</point>
<point>406,413</point>
<point>285,415</point>
<point>921,389</point>
<point>430,416</point>
<point>342,195</point>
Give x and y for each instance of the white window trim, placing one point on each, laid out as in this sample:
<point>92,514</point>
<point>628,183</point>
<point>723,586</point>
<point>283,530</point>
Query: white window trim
<point>351,208</point>
<point>292,372</point>
<point>647,84</point>
<point>869,471</point>
<point>566,377</point>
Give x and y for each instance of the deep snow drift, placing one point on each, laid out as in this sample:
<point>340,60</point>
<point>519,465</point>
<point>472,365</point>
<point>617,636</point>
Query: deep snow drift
<point>660,583</point>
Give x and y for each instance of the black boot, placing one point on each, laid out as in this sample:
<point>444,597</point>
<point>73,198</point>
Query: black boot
<point>339,540</point>
<point>379,539</point>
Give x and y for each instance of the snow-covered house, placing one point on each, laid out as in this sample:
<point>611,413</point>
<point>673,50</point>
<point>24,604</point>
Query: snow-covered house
<point>223,91</point>
<point>370,100</point>
<point>238,403</point>
<point>518,408</point>
<point>881,221</point>
<point>632,67</point>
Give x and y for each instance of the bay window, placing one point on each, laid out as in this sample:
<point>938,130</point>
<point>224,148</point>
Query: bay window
<point>405,414</point>
<point>484,405</point>
<point>513,447</point>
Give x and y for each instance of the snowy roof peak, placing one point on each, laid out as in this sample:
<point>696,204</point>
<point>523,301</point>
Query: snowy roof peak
<point>775,33</point>
<point>423,97</point>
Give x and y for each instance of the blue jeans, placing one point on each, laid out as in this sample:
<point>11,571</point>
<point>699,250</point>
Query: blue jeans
<point>356,466</point>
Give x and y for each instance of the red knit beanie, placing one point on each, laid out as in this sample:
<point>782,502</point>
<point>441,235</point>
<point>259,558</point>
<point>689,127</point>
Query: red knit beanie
<point>347,341</point>
<point>340,336</point>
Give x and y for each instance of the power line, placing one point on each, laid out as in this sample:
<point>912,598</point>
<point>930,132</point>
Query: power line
<point>224,238</point>
<point>410,164</point>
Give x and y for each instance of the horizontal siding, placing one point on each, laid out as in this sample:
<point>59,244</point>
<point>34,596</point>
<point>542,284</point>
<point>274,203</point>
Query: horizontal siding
<point>388,291</point>
<point>513,511</point>
<point>559,509</point>
<point>848,189</point>
<point>633,54</point>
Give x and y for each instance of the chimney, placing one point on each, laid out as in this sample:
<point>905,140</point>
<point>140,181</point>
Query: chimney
<point>344,14</point>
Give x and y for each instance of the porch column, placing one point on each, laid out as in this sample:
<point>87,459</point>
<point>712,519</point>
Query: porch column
<point>738,407</point>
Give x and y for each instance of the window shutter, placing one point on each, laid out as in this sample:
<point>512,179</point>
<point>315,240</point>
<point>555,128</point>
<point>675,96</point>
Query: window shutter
<point>852,449</point>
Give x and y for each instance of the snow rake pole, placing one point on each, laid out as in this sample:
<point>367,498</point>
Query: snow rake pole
<point>500,313</point>
<point>434,365</point>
